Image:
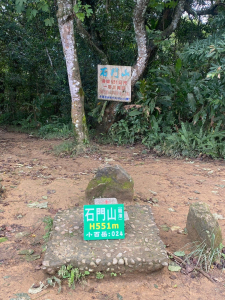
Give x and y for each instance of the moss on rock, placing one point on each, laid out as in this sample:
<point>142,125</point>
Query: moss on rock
<point>111,182</point>
<point>202,226</point>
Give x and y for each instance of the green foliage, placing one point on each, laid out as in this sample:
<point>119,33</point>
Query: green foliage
<point>99,275</point>
<point>55,129</point>
<point>82,10</point>
<point>203,255</point>
<point>48,227</point>
<point>52,281</point>
<point>180,107</point>
<point>66,148</point>
<point>73,274</point>
<point>33,77</point>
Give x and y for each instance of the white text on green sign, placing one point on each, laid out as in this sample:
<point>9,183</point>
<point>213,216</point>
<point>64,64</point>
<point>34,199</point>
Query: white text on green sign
<point>103,222</point>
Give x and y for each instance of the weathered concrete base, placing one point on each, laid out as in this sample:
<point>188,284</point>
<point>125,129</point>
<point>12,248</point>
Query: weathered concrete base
<point>141,251</point>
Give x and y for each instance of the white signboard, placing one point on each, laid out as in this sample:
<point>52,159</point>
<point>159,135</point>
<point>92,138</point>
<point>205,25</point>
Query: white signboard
<point>114,83</point>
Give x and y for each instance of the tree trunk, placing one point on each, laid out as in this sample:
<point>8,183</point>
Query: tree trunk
<point>66,29</point>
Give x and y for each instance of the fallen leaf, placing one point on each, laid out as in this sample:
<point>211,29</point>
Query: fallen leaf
<point>154,193</point>
<point>165,227</point>
<point>220,185</point>
<point>119,296</point>
<point>34,290</point>
<point>171,209</point>
<point>175,228</point>
<point>21,296</point>
<point>220,279</point>
<point>26,252</point>
<point>173,268</point>
<point>32,257</point>
<point>179,253</point>
<point>197,192</point>
<point>218,217</point>
<point>38,205</point>
<point>3,239</point>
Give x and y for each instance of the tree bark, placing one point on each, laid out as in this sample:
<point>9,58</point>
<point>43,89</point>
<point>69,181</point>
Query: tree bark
<point>66,29</point>
<point>141,39</point>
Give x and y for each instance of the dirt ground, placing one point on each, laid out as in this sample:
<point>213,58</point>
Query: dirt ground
<point>30,173</point>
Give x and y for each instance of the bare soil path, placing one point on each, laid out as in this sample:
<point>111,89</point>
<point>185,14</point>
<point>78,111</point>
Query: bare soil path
<point>31,173</point>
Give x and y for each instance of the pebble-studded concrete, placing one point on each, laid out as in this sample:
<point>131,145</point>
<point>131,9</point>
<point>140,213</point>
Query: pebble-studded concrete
<point>141,251</point>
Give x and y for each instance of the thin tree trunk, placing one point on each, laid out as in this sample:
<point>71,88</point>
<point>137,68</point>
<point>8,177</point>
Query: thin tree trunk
<point>66,29</point>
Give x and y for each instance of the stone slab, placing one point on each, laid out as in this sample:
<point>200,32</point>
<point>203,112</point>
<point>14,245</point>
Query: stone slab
<point>141,251</point>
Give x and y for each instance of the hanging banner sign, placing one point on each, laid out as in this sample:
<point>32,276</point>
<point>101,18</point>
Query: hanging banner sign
<point>104,222</point>
<point>114,83</point>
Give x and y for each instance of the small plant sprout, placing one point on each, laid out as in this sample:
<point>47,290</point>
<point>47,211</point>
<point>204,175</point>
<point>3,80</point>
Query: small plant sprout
<point>48,227</point>
<point>99,275</point>
<point>73,275</point>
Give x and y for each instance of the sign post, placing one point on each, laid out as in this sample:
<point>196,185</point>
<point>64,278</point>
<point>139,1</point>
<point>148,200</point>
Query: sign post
<point>104,222</point>
<point>114,83</point>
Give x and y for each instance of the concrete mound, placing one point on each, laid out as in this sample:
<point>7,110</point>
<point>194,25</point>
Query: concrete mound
<point>141,251</point>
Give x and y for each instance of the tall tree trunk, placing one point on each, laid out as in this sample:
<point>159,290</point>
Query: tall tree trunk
<point>66,29</point>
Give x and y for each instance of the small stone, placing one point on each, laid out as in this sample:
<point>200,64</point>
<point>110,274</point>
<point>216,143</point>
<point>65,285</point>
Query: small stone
<point>126,261</point>
<point>146,240</point>
<point>67,260</point>
<point>121,261</point>
<point>115,261</point>
<point>109,264</point>
<point>92,264</point>
<point>147,249</point>
<point>108,254</point>
<point>98,260</point>
<point>45,263</point>
<point>57,228</point>
<point>76,227</point>
<point>50,271</point>
<point>132,261</point>
<point>91,270</point>
<point>138,259</point>
<point>119,255</point>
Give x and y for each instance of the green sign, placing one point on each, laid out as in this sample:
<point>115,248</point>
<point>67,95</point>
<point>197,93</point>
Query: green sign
<point>104,222</point>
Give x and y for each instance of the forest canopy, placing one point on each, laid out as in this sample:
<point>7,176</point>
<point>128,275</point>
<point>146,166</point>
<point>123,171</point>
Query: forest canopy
<point>176,50</point>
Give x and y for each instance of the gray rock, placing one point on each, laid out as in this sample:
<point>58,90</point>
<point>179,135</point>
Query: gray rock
<point>111,182</point>
<point>202,226</point>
